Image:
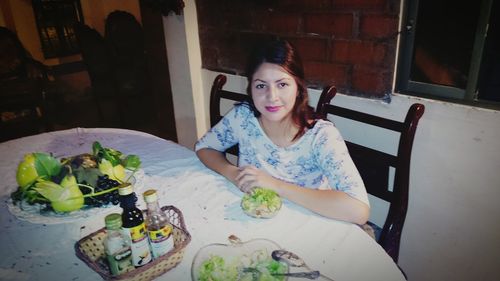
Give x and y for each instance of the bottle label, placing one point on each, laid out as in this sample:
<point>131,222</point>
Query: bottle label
<point>121,262</point>
<point>141,254</point>
<point>161,240</point>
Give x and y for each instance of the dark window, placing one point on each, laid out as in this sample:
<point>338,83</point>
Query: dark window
<point>55,20</point>
<point>449,50</point>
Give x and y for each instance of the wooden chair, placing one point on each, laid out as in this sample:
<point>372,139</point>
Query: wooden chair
<point>97,57</point>
<point>23,80</point>
<point>216,95</point>
<point>374,166</point>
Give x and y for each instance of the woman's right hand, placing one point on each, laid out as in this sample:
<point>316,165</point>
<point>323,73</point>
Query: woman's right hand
<point>250,177</point>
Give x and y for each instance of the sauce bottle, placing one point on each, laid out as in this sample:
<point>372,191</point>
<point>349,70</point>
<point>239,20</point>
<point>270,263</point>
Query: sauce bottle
<point>158,226</point>
<point>133,226</point>
<point>117,246</point>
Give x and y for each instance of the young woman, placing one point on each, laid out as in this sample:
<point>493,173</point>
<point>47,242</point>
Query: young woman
<point>282,147</point>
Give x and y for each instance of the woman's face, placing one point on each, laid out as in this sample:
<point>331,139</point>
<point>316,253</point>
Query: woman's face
<point>274,92</point>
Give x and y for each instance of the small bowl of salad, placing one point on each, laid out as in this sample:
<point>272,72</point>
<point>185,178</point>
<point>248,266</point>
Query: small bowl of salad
<point>261,203</point>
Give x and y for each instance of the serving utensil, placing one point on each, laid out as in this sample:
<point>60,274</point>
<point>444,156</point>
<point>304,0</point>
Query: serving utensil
<point>309,275</point>
<point>295,261</point>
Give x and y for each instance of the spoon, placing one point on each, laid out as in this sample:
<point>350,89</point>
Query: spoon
<point>293,260</point>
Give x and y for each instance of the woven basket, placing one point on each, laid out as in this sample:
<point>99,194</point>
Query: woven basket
<point>90,249</point>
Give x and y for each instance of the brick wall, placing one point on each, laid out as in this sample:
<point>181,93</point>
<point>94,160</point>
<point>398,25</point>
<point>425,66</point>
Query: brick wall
<point>349,43</point>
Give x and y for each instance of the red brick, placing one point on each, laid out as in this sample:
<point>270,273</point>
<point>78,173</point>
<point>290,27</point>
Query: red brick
<point>378,26</point>
<point>302,5</point>
<point>360,4</point>
<point>337,24</point>
<point>326,73</point>
<point>282,22</point>
<point>313,49</point>
<point>358,52</point>
<point>371,81</point>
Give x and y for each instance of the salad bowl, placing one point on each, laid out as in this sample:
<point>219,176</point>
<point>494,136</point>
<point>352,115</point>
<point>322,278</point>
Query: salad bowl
<point>250,260</point>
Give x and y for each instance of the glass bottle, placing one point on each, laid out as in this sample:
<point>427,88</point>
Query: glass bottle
<point>158,226</point>
<point>117,246</point>
<point>134,226</point>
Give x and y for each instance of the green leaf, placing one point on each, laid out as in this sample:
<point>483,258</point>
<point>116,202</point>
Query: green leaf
<point>62,199</point>
<point>50,190</point>
<point>112,155</point>
<point>96,148</point>
<point>46,165</point>
<point>88,175</point>
<point>131,162</point>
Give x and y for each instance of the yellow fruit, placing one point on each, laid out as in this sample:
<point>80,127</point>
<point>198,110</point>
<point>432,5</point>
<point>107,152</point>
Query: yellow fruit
<point>116,173</point>
<point>26,171</point>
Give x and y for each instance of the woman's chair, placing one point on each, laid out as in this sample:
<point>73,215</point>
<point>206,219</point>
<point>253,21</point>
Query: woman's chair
<point>217,94</point>
<point>375,166</point>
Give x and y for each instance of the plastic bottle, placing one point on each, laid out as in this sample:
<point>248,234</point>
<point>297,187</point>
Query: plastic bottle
<point>117,246</point>
<point>158,226</point>
<point>134,226</point>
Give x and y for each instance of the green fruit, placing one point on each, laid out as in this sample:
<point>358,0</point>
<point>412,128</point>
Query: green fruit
<point>116,173</point>
<point>26,171</point>
<point>69,205</point>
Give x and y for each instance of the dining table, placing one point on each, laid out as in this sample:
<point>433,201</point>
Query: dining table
<point>41,246</point>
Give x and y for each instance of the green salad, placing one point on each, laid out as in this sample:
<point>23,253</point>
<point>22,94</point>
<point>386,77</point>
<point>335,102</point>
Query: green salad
<point>261,203</point>
<point>262,268</point>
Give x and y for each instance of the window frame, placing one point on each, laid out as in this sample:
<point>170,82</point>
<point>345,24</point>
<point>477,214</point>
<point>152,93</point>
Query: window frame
<point>67,42</point>
<point>405,85</point>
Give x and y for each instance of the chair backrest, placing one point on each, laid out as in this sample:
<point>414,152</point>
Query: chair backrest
<point>216,96</point>
<point>22,90</point>
<point>374,165</point>
<point>96,53</point>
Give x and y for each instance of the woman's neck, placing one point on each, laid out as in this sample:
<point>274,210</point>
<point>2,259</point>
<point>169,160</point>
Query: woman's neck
<point>280,133</point>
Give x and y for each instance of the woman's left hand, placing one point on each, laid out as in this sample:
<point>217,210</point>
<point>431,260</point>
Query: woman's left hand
<point>250,177</point>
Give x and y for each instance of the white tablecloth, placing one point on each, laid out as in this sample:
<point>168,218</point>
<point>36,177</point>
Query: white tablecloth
<point>209,203</point>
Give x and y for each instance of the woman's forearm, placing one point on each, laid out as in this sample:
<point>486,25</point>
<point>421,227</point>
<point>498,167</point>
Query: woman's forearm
<point>216,161</point>
<point>329,203</point>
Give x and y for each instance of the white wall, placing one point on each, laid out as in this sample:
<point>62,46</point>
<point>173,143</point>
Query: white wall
<point>452,230</point>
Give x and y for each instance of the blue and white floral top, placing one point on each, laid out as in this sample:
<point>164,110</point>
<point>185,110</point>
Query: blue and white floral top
<point>319,159</point>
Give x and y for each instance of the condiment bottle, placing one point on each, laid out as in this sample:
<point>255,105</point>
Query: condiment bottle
<point>134,227</point>
<point>117,246</point>
<point>158,226</point>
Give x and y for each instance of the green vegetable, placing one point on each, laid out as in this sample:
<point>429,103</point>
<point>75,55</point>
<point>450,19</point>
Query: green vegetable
<point>113,162</point>
<point>115,157</point>
<point>132,162</point>
<point>36,166</point>
<point>215,268</point>
<point>261,202</point>
<point>65,197</point>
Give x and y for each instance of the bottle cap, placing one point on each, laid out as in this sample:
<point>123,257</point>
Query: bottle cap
<point>113,221</point>
<point>150,196</point>
<point>125,190</point>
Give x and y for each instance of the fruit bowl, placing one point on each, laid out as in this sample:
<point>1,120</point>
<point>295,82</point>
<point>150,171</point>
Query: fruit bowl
<point>40,214</point>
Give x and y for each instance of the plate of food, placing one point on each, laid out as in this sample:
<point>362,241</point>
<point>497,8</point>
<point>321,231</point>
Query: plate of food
<point>74,186</point>
<point>261,203</point>
<point>238,260</point>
